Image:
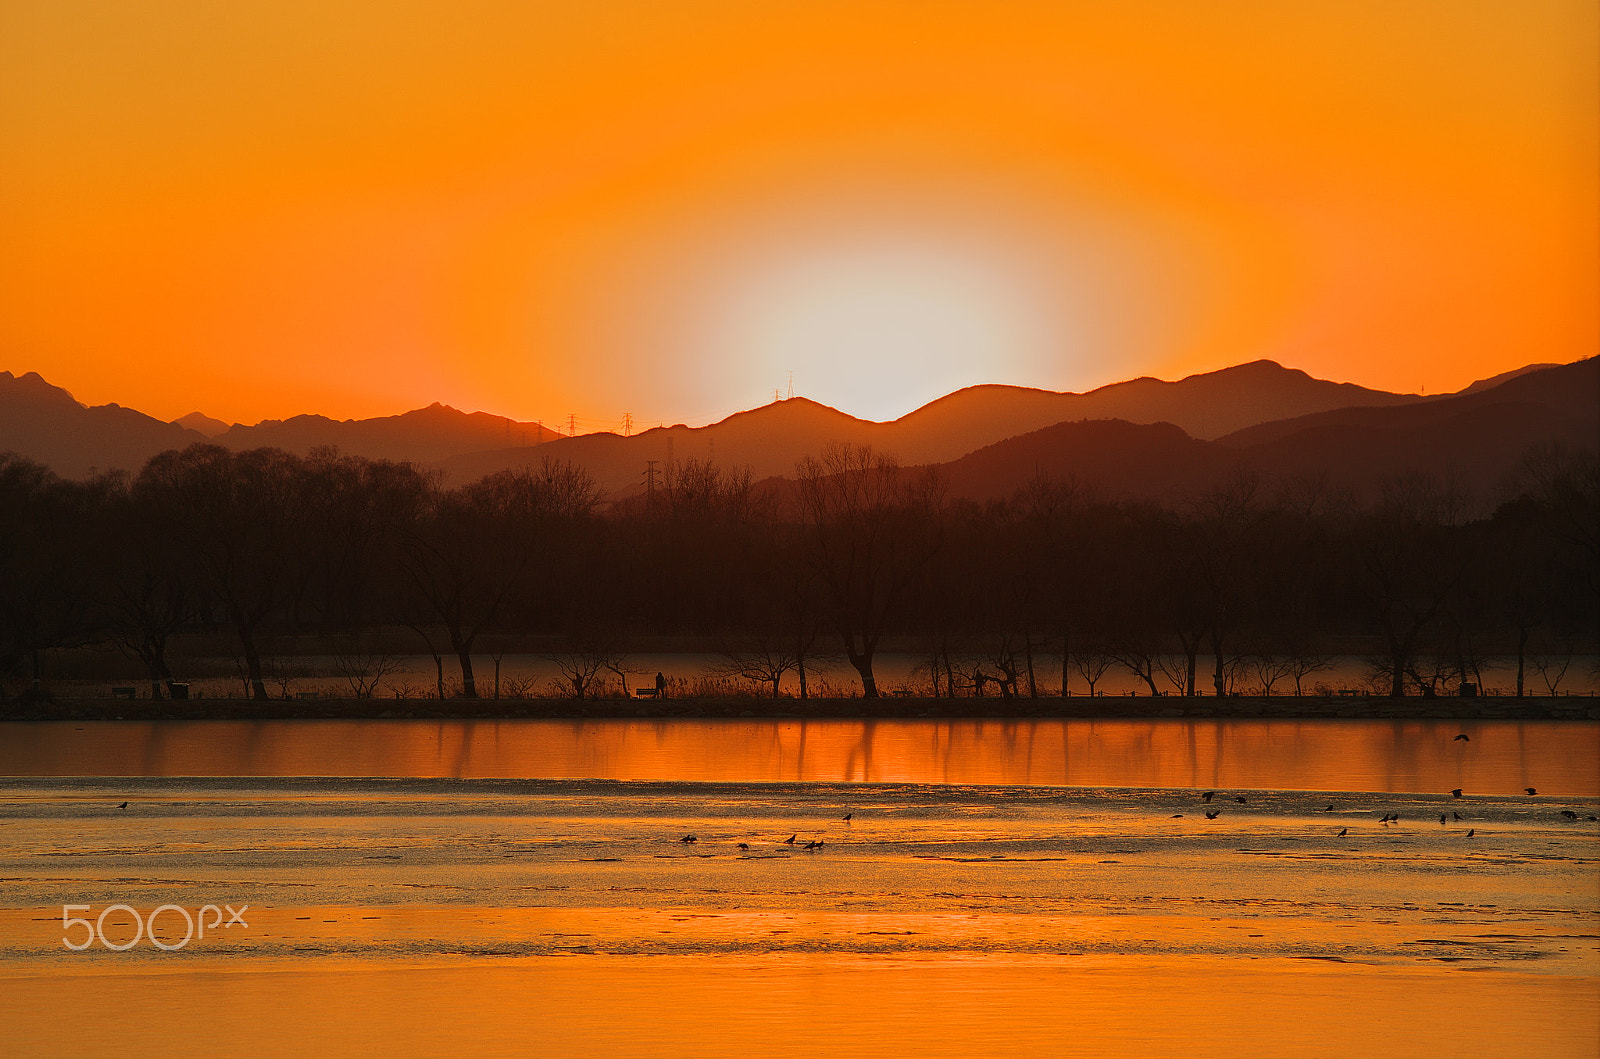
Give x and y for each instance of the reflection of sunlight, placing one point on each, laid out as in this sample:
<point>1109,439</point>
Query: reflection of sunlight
<point>878,328</point>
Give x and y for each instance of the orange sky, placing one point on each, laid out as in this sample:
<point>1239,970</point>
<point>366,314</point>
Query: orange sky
<point>257,208</point>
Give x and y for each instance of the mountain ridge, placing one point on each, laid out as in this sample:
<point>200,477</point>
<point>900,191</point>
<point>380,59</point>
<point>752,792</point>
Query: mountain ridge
<point>1241,407</point>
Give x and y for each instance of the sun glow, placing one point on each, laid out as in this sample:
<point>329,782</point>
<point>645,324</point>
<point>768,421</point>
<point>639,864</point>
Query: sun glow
<point>276,209</point>
<point>881,326</point>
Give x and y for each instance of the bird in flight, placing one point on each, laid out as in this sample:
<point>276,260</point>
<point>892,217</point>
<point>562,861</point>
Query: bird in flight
<point>1212,814</point>
<point>686,839</point>
<point>1463,738</point>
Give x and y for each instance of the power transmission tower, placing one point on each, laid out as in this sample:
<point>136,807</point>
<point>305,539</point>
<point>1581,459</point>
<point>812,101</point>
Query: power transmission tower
<point>627,424</point>
<point>791,385</point>
<point>650,485</point>
<point>572,424</point>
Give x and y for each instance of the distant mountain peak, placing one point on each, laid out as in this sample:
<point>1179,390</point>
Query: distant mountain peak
<point>201,423</point>
<point>31,386</point>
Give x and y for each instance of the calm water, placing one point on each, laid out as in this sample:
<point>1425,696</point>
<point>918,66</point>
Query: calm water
<point>1045,888</point>
<point>1501,758</point>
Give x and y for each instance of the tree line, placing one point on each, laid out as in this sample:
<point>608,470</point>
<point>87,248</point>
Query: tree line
<point>1052,586</point>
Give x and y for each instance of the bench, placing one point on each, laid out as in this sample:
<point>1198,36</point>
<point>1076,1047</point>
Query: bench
<point>123,693</point>
<point>644,693</point>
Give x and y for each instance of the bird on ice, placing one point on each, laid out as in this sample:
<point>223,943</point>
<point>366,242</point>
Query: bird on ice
<point>124,805</point>
<point>1456,793</point>
<point>1345,832</point>
<point>1530,790</point>
<point>1471,831</point>
<point>847,817</point>
<point>790,840</point>
<point>1207,796</point>
<point>686,839</point>
<point>744,845</point>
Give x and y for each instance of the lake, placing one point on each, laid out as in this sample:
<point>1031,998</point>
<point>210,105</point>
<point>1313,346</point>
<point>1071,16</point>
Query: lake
<point>412,888</point>
<point>1557,757</point>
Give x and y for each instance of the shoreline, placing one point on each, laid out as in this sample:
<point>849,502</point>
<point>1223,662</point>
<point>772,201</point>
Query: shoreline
<point>1530,708</point>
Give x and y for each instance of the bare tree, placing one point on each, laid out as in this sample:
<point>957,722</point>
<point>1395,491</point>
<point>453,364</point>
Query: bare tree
<point>1091,661</point>
<point>364,667</point>
<point>873,529</point>
<point>1271,668</point>
<point>1143,660</point>
<point>1552,665</point>
<point>240,519</point>
<point>582,663</point>
<point>1410,565</point>
<point>760,661</point>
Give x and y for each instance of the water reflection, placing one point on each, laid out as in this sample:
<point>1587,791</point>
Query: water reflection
<point>1409,756</point>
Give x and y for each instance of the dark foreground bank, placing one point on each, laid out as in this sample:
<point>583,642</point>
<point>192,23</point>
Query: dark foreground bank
<point>1286,708</point>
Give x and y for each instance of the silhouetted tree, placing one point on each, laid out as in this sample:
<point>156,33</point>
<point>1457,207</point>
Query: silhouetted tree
<point>240,518</point>
<point>874,530</point>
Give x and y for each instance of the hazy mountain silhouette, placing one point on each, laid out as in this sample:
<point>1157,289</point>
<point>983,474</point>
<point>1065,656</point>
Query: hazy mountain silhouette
<point>426,436</point>
<point>1568,394</point>
<point>45,424</point>
<point>1505,376</point>
<point>1475,438</point>
<point>1275,418</point>
<point>1113,457</point>
<point>769,440</point>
